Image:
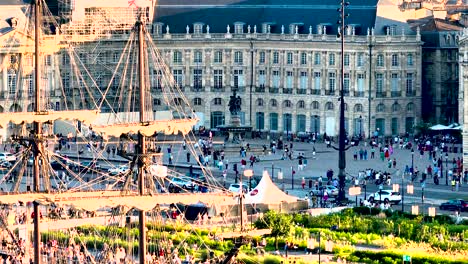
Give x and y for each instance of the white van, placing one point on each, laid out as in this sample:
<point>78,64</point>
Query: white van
<point>5,156</point>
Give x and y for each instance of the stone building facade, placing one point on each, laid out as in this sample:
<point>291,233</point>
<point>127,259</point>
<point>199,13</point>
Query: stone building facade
<point>288,82</point>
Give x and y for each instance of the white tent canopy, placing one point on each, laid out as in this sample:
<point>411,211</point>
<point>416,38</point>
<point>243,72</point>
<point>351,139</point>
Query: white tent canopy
<point>267,192</point>
<point>439,127</point>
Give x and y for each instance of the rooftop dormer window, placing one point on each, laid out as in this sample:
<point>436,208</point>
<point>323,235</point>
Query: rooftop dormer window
<point>198,28</point>
<point>157,28</point>
<point>239,27</point>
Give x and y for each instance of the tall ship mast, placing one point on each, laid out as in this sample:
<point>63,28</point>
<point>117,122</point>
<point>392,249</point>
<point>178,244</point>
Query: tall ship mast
<point>136,179</point>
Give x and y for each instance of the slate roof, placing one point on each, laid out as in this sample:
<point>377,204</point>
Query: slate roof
<point>14,2</point>
<point>219,13</point>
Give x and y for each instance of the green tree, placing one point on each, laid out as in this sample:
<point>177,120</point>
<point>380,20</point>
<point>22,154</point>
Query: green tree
<point>280,224</point>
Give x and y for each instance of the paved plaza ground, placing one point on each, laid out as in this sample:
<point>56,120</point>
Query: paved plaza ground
<point>317,165</point>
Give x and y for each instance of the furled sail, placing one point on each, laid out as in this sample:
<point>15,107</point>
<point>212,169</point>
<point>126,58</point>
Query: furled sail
<point>86,116</point>
<point>168,127</point>
<point>92,201</point>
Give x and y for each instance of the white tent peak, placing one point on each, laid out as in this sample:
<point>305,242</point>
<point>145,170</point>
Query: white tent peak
<point>266,192</point>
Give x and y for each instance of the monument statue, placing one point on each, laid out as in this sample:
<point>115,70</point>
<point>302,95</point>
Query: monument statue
<point>235,104</point>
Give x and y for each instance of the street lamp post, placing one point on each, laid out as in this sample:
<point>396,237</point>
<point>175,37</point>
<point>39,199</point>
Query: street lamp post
<point>360,127</point>
<point>446,168</point>
<point>412,160</point>
<point>342,136</point>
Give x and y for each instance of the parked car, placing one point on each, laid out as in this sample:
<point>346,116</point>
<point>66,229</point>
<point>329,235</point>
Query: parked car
<point>453,205</point>
<point>122,169</point>
<point>5,164</point>
<point>387,196</point>
<point>85,166</point>
<point>6,156</point>
<point>235,188</point>
<point>57,165</point>
<point>331,190</point>
<point>177,184</point>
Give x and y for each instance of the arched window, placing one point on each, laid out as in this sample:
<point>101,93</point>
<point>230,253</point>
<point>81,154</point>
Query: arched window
<point>197,101</point>
<point>329,106</point>
<point>273,103</point>
<point>315,105</point>
<point>358,108</point>
<point>217,101</point>
<point>260,102</point>
<point>410,107</point>
<point>301,104</point>
<point>156,102</point>
<point>287,103</point>
<point>178,101</point>
<point>396,107</point>
<point>380,108</point>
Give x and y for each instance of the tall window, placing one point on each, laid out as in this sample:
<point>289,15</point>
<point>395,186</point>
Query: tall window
<point>409,59</point>
<point>317,81</point>
<point>11,81</point>
<point>238,59</point>
<point>261,59</point>
<point>217,119</point>
<point>178,77</point>
<point>261,78</point>
<point>218,79</point>
<point>238,78</point>
<point>65,81</point>
<point>197,57</point>
<point>28,84</point>
<point>317,58</point>
<point>289,79</point>
<point>331,81</point>
<point>275,57</point>
<point>380,60</point>
<point>197,78</point>
<point>48,60</point>
<point>260,120</point>
<point>303,58</point>
<point>287,122</point>
<point>289,60</point>
<point>346,82</point>
<point>346,59</point>
<point>394,82</point>
<point>409,83</point>
<point>274,121</point>
<point>276,79</point>
<point>177,57</point>
<point>331,59</point>
<point>218,57</point>
<point>379,83</point>
<point>304,80</point>
<point>115,57</point>
<point>156,79</point>
<point>360,59</point>
<point>360,82</point>
<point>65,59</point>
<point>301,123</point>
<point>395,60</point>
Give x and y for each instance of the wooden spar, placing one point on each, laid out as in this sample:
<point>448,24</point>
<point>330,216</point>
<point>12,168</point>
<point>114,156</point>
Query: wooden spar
<point>37,140</point>
<point>141,142</point>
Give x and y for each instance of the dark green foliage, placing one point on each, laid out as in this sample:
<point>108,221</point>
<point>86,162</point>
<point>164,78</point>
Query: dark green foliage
<point>280,224</point>
<point>390,257</point>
